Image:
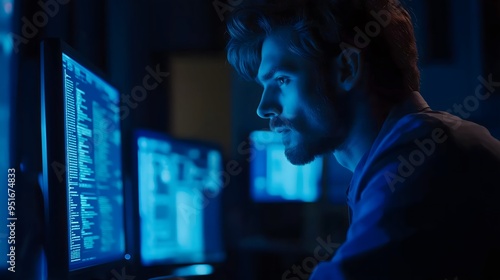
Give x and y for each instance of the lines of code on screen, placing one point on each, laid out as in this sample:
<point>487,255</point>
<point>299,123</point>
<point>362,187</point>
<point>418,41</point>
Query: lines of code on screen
<point>94,179</point>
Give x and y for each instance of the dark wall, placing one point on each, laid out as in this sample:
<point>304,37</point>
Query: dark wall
<point>124,37</point>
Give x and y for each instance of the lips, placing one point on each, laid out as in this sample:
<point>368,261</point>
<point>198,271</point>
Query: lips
<point>279,125</point>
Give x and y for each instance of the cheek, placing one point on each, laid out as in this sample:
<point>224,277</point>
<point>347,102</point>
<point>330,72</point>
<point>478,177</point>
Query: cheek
<point>292,104</point>
<point>309,122</point>
<point>321,117</point>
<point>308,112</point>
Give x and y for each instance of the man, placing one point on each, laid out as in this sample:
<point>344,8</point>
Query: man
<point>424,195</point>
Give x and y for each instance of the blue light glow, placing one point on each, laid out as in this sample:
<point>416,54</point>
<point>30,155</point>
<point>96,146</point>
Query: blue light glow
<point>274,178</point>
<point>175,222</point>
<point>194,270</point>
<point>93,156</point>
<point>6,94</point>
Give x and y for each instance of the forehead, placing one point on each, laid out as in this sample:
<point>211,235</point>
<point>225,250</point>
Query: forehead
<point>277,43</point>
<point>275,53</point>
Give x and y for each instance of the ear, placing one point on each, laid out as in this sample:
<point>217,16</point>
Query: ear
<point>349,66</point>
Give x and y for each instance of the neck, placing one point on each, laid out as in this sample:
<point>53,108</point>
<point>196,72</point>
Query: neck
<point>369,118</point>
<point>360,137</point>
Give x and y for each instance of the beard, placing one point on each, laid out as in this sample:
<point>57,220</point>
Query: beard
<point>304,152</point>
<point>298,156</point>
<point>307,146</point>
<point>332,112</point>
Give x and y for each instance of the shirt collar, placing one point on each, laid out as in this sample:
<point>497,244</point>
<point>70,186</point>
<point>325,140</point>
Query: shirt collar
<point>414,103</point>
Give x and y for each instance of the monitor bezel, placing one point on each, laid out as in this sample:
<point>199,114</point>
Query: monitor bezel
<point>53,153</point>
<point>168,268</point>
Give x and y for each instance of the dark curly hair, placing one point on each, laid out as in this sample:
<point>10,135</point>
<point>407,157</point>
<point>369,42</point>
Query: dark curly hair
<point>323,28</point>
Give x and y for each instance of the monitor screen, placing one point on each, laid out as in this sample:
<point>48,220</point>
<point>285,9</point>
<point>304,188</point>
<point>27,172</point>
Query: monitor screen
<point>179,184</point>
<point>7,195</point>
<point>82,182</point>
<point>93,175</point>
<point>274,179</point>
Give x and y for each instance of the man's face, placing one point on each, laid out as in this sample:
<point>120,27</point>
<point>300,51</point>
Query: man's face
<point>305,118</point>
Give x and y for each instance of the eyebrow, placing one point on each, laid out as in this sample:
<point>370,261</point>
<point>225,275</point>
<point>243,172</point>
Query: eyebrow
<point>270,73</point>
<point>267,75</point>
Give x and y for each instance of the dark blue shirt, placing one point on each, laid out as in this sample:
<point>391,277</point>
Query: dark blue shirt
<point>424,202</point>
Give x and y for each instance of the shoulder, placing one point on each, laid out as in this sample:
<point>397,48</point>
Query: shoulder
<point>430,149</point>
<point>434,134</point>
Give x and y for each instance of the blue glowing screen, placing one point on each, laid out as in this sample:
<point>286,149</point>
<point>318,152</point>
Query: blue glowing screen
<point>6,92</point>
<point>274,179</point>
<point>94,176</point>
<point>179,184</point>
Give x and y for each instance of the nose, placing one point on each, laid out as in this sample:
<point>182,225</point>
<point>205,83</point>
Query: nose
<point>269,105</point>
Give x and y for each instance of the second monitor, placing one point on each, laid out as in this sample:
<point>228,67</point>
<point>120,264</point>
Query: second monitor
<point>178,186</point>
<point>274,179</point>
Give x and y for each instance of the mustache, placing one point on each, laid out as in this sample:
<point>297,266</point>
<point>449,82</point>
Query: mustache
<point>278,122</point>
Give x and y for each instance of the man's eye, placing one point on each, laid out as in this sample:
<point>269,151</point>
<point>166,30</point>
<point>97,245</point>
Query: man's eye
<point>281,81</point>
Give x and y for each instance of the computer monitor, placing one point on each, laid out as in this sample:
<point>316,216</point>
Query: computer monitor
<point>82,167</point>
<point>179,184</point>
<point>274,179</point>
<point>7,195</point>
